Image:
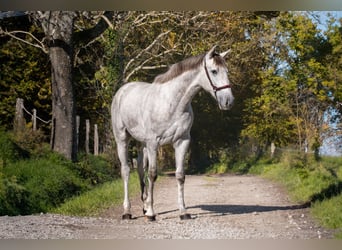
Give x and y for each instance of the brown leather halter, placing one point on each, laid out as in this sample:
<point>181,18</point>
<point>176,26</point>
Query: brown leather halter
<point>215,88</point>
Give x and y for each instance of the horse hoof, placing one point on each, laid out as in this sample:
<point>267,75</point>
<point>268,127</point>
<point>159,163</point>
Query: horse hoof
<point>126,216</point>
<point>144,211</point>
<point>185,217</point>
<point>150,218</point>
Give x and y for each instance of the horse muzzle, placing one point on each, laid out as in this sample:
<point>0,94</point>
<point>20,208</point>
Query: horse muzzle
<point>225,102</point>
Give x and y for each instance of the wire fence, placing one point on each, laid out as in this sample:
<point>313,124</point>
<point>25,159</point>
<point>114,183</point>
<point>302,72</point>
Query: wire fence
<point>20,125</point>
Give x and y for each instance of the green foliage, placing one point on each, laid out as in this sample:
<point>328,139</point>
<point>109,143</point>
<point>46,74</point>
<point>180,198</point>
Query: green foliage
<point>297,84</point>
<point>334,34</point>
<point>25,73</point>
<point>13,197</point>
<point>37,185</point>
<point>328,212</point>
<point>95,201</point>
<point>7,148</point>
<point>42,180</point>
<point>220,167</point>
<point>269,115</point>
<point>10,149</point>
<point>31,141</point>
<point>302,183</point>
<point>95,169</point>
<point>318,183</point>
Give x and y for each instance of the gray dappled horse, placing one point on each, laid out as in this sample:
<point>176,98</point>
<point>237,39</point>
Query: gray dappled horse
<point>161,113</point>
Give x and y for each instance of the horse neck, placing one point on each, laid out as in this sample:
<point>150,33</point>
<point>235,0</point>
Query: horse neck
<point>185,87</point>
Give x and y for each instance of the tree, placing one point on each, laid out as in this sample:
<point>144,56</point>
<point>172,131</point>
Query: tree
<point>269,115</point>
<point>58,29</point>
<point>309,72</point>
<point>59,42</point>
<point>296,87</point>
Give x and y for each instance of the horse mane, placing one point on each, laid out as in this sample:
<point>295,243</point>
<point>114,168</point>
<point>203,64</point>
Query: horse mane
<point>185,65</point>
<point>179,68</point>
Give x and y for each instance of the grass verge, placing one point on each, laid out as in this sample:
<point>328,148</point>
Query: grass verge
<point>308,181</point>
<point>95,201</point>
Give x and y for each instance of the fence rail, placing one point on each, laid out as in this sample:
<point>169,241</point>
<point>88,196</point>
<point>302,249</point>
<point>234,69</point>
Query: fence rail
<point>20,125</point>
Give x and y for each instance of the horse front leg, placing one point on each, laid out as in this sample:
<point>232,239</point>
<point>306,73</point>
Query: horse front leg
<point>152,177</point>
<point>122,148</point>
<point>142,165</point>
<point>181,147</point>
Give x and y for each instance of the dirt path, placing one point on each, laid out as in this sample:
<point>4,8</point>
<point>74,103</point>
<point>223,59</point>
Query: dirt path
<point>222,207</point>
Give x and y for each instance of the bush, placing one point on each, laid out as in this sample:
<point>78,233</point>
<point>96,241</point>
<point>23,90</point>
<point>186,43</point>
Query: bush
<point>13,197</point>
<point>95,169</point>
<point>33,179</point>
<point>9,151</point>
<point>31,141</point>
<point>37,185</point>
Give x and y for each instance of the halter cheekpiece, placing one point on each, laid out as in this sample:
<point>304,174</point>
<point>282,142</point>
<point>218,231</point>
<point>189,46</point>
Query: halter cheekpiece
<point>215,88</point>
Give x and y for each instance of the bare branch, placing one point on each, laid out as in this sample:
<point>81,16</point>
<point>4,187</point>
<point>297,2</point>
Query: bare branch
<point>107,21</point>
<point>39,44</point>
<point>154,67</point>
<point>88,35</point>
<point>141,66</point>
<point>145,50</point>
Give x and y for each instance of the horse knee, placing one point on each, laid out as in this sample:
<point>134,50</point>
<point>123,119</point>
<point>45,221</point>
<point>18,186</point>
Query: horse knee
<point>180,177</point>
<point>125,170</point>
<point>152,174</point>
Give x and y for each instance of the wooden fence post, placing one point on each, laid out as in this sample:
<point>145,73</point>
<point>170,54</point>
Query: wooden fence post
<point>77,131</point>
<point>34,119</point>
<point>273,148</point>
<point>87,136</point>
<point>96,140</point>
<point>19,121</point>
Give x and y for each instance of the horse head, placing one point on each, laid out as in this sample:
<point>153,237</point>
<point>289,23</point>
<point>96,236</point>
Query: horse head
<point>218,84</point>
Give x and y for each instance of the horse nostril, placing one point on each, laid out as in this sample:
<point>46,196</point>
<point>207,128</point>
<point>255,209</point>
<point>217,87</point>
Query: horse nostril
<point>229,104</point>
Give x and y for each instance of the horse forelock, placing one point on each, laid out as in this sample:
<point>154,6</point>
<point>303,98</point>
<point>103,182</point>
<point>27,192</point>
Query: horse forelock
<point>219,60</point>
<point>179,68</point>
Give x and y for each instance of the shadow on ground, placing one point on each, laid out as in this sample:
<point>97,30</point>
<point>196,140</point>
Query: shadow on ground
<point>221,210</point>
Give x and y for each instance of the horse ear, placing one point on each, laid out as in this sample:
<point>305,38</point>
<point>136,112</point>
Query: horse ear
<point>211,52</point>
<point>223,54</point>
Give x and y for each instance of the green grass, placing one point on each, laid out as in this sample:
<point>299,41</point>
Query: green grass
<point>36,180</point>
<point>318,183</point>
<point>307,180</point>
<point>93,202</point>
<point>302,184</point>
<point>36,185</point>
<point>329,213</point>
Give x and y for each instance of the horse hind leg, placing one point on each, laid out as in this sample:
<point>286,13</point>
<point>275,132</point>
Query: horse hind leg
<point>151,176</point>
<point>142,165</point>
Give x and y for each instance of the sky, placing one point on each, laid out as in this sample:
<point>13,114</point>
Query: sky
<point>323,17</point>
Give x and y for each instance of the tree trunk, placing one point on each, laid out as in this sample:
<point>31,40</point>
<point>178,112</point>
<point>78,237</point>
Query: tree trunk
<point>59,29</point>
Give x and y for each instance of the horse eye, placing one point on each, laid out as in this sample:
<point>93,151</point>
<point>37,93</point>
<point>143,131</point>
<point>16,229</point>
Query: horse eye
<point>214,72</point>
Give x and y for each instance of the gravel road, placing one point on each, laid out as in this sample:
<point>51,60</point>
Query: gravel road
<point>222,207</point>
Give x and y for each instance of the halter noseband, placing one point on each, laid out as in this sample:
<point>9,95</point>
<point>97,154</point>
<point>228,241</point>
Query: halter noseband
<point>215,88</point>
